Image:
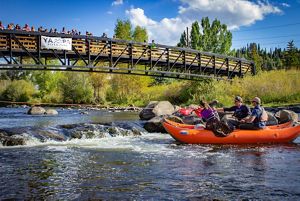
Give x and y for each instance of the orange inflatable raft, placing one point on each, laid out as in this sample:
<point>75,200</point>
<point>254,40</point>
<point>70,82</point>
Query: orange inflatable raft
<point>202,136</point>
<point>284,125</point>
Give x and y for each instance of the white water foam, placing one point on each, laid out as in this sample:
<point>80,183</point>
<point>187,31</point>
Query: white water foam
<point>147,143</point>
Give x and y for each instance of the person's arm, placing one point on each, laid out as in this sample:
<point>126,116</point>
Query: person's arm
<point>250,118</point>
<point>220,109</point>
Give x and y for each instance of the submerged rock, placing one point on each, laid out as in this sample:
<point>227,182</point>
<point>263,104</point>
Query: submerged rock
<point>36,110</point>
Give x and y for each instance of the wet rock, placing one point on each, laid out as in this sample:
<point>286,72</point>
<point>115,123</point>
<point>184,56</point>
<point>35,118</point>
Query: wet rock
<point>51,112</point>
<point>154,125</point>
<point>36,111</point>
<point>11,140</point>
<point>51,135</point>
<point>286,115</point>
<point>84,113</point>
<point>76,135</point>
<point>176,108</point>
<point>136,132</point>
<point>113,131</point>
<point>156,108</point>
<point>175,118</point>
<point>272,120</point>
<point>69,126</point>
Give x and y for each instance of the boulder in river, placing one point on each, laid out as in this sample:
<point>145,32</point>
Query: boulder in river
<point>51,112</point>
<point>286,115</point>
<point>11,140</point>
<point>35,110</point>
<point>156,108</point>
<point>154,125</point>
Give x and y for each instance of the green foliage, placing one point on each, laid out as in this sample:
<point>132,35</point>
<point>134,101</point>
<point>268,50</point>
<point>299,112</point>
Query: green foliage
<point>183,40</point>
<point>127,89</point>
<point>140,34</point>
<point>209,37</point>
<point>19,90</point>
<point>271,86</point>
<point>292,56</point>
<point>255,57</point>
<point>100,84</point>
<point>46,81</point>
<point>76,88</point>
<point>195,36</point>
<point>123,30</point>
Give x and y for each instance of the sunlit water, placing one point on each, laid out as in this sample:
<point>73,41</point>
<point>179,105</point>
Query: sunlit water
<point>146,167</point>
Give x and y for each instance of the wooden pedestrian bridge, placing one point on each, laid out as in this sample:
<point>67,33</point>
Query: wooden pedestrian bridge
<point>21,50</point>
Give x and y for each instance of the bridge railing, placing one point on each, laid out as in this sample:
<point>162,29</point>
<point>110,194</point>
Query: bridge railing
<point>92,49</point>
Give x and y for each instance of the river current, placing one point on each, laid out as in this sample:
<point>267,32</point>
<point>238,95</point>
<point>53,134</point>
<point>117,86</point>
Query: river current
<point>109,162</point>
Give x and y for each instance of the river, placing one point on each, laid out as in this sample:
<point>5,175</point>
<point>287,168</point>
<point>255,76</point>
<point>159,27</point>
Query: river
<point>110,162</point>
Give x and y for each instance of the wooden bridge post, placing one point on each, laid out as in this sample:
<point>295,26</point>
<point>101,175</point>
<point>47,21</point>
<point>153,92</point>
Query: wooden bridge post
<point>111,62</point>
<point>168,58</point>
<point>88,49</point>
<point>38,38</point>
<point>10,49</point>
<point>214,66</point>
<point>227,68</point>
<point>253,68</point>
<point>199,63</point>
<point>131,56</point>
<point>240,68</point>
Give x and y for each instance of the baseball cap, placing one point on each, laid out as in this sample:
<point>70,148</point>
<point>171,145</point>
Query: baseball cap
<point>238,98</point>
<point>257,100</point>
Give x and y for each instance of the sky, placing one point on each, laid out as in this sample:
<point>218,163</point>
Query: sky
<point>272,23</point>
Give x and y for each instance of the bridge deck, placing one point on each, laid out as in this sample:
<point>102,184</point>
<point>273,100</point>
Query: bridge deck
<point>115,56</point>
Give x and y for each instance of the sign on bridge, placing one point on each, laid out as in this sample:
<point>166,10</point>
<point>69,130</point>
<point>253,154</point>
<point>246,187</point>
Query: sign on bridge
<point>56,43</point>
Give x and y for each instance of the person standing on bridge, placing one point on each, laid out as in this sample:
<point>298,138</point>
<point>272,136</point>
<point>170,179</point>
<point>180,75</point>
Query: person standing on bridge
<point>153,45</point>
<point>26,28</point>
<point>239,110</point>
<point>1,26</point>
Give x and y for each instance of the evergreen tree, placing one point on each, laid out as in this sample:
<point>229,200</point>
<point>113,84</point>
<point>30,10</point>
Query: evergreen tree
<point>257,59</point>
<point>195,35</point>
<point>211,38</point>
<point>291,56</point>
<point>182,41</point>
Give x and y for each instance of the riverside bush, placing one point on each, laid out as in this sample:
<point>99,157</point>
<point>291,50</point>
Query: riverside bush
<point>278,86</point>
<point>19,90</point>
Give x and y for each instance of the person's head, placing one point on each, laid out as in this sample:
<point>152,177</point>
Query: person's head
<point>204,104</point>
<point>256,101</point>
<point>238,100</point>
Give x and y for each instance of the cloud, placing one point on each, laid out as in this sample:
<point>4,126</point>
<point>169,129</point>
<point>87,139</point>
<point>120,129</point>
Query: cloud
<point>117,2</point>
<point>234,13</point>
<point>286,5</point>
<point>109,12</point>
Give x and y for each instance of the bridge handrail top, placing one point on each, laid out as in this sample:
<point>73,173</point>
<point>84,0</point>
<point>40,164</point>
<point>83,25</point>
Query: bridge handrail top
<point>36,33</point>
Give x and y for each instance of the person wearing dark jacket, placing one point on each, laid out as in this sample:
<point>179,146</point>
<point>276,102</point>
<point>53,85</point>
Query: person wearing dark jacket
<point>240,111</point>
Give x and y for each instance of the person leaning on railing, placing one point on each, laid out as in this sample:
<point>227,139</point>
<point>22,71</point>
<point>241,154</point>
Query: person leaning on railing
<point>26,28</point>
<point>1,26</point>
